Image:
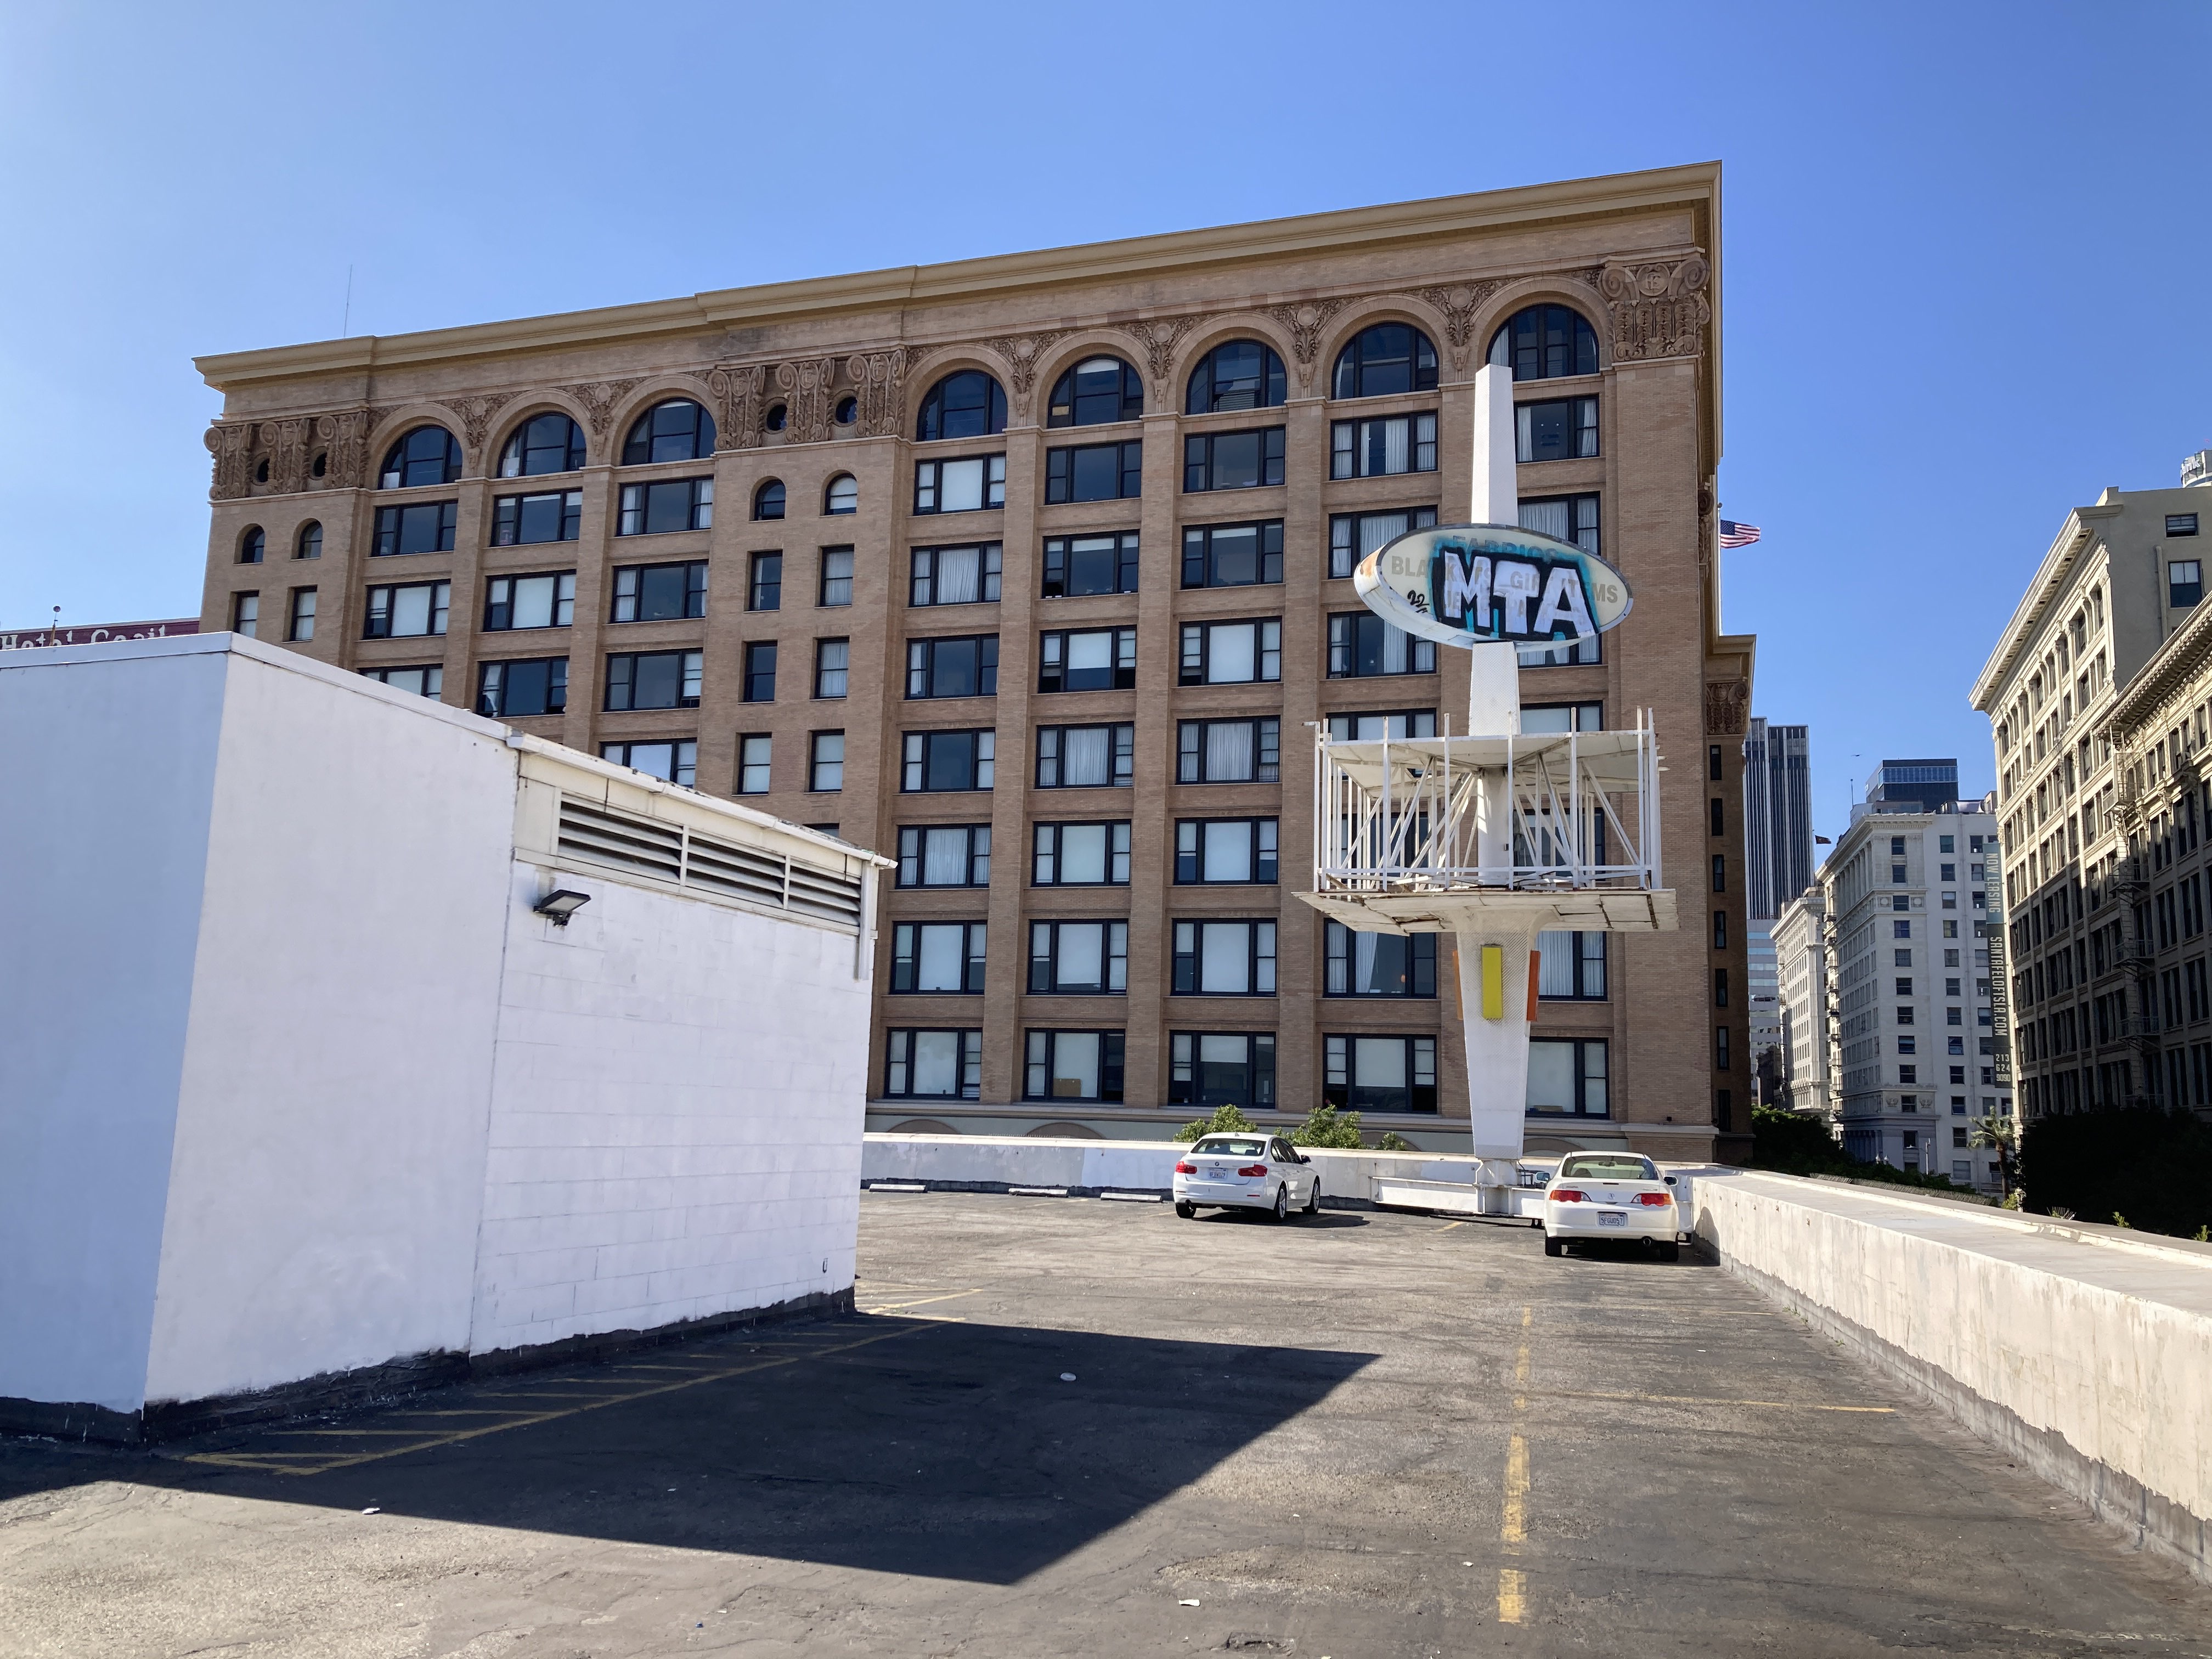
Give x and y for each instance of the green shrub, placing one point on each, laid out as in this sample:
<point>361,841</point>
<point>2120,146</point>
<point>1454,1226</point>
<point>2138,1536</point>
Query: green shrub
<point>1327,1126</point>
<point>1791,1143</point>
<point>1392,1141</point>
<point>2154,1167</point>
<point>1226,1120</point>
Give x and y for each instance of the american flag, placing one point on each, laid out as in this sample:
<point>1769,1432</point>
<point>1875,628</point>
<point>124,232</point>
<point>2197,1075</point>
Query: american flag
<point>1738,535</point>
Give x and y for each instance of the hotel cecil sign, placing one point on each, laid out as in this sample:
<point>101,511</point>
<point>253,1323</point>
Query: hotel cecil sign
<point>1487,584</point>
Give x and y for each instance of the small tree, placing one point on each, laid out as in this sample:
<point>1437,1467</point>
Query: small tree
<point>1327,1126</point>
<point>1392,1141</point>
<point>1226,1120</point>
<point>1995,1132</point>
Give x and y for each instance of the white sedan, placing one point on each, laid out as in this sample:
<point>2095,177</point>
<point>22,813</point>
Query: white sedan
<point>1246,1172</point>
<point>1610,1196</point>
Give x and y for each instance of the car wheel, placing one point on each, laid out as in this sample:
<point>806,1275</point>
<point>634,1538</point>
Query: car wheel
<point>1555,1247</point>
<point>1187,1212</point>
<point>1283,1202</point>
<point>1313,1200</point>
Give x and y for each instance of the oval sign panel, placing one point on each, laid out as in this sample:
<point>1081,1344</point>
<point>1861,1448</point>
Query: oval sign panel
<point>1491,584</point>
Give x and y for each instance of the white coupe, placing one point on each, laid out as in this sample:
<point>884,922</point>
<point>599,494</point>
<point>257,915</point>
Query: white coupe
<point>1610,1196</point>
<point>1246,1172</point>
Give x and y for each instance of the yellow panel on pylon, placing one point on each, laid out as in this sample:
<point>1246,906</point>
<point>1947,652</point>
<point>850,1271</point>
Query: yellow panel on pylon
<point>1493,982</point>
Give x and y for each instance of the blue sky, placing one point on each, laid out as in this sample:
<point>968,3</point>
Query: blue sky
<point>1965,244</point>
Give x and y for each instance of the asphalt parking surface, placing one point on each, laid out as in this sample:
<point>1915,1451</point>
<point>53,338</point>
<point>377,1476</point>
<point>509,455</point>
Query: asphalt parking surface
<point>1073,1426</point>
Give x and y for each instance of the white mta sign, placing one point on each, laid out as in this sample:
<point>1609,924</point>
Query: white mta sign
<point>1485,583</point>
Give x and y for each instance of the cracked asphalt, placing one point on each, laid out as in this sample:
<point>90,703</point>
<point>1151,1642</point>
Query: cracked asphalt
<point>1070,1426</point>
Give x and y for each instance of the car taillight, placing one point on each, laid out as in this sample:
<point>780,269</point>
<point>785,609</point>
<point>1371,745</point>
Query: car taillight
<point>1655,1200</point>
<point>1569,1196</point>
<point>1253,1170</point>
<point>1186,1169</point>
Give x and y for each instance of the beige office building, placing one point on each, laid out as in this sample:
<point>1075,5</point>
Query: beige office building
<point>1031,572</point>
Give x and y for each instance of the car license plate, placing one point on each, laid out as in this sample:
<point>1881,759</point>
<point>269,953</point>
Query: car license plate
<point>1613,1217</point>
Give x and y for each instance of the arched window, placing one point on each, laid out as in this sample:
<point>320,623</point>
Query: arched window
<point>843,494</point>
<point>768,500</point>
<point>1543,343</point>
<point>677,430</point>
<point>1096,391</point>
<point>1240,375</point>
<point>310,543</point>
<point>968,405</point>
<point>1386,358</point>
<point>252,545</point>
<point>428,455</point>
<point>551,442</point>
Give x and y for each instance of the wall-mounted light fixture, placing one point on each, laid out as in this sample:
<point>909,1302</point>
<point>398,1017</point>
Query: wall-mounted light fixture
<point>561,904</point>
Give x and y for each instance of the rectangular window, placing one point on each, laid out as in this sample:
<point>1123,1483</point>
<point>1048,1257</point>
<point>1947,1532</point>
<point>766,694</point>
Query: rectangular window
<point>933,760</point>
<point>1563,717</point>
<point>1231,653</point>
<point>2181,524</point>
<point>1720,987</point>
<point>1077,565</point>
<point>1720,873</point>
<point>1374,449</point>
<point>1088,659</point>
<point>1720,929</point>
<point>1232,460</point>
<point>1222,1068</point>
<point>1073,1066</point>
<point>246,613</point>
<point>659,592</point>
<point>945,855</point>
<point>764,592</point>
<point>1227,851</point>
<point>1353,535</point>
<point>420,528</point>
<point>541,601</point>
<point>2184,583</point>
<point>655,509</point>
<point>1094,473</point>
<point>653,680</point>
<point>955,575</point>
<point>1224,959</point>
<point>1569,966</point>
<point>428,681</point>
<point>1557,429</point>
<point>1720,1048</point>
<point>1567,1075</point>
<point>510,690</point>
<point>409,610</point>
<point>1373,728</point>
<point>520,520</point>
<point>1569,519</point>
<point>836,577</point>
<point>1362,644</point>
<point>937,955</point>
<point>832,666</point>
<point>1085,756</point>
<point>1378,964</point>
<point>1380,1073</point>
<point>1228,751</point>
<point>964,667</point>
<point>754,755</point>
<point>1079,958</point>
<point>1232,554</point>
<point>825,767</point>
<point>1897,930</point>
<point>933,1064</point>
<point>672,761</point>
<point>967,486</point>
<point>1081,854</point>
<point>300,625</point>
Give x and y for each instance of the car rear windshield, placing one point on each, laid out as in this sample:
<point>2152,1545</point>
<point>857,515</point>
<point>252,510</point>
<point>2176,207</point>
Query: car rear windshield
<point>1599,1167</point>
<point>1233,1148</point>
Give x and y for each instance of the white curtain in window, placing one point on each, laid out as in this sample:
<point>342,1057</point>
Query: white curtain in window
<point>1075,1064</point>
<point>958,574</point>
<point>1594,1078</point>
<point>1365,948</point>
<point>936,1063</point>
<point>937,964</point>
<point>944,857</point>
<point>1551,1076</point>
<point>1083,852</point>
<point>1558,718</point>
<point>1228,851</point>
<point>1229,752</point>
<point>1394,436</point>
<point>1555,965</point>
<point>1230,653</point>
<point>1225,958</point>
<point>1221,1051</point>
<point>411,609</point>
<point>1546,519</point>
<point>1379,1063</point>
<point>960,486</point>
<point>1083,953</point>
<point>1395,642</point>
<point>1086,756</point>
<point>1377,528</point>
<point>1090,651</point>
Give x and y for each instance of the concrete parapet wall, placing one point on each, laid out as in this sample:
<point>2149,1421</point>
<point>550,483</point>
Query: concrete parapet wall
<point>2083,1350</point>
<point>990,1163</point>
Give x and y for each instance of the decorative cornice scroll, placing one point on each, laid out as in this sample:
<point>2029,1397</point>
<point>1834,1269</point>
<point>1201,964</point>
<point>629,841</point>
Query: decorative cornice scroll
<point>287,458</point>
<point>1727,708</point>
<point>344,438</point>
<point>231,443</point>
<point>807,384</point>
<point>476,414</point>
<point>1159,339</point>
<point>1659,307</point>
<point>880,382</point>
<point>599,398</point>
<point>1305,323</point>
<point>1459,304</point>
<point>1022,353</point>
<point>737,389</point>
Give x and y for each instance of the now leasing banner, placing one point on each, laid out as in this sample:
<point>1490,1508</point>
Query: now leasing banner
<point>1485,584</point>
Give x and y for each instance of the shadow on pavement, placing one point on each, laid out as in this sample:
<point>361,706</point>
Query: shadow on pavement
<point>945,1449</point>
